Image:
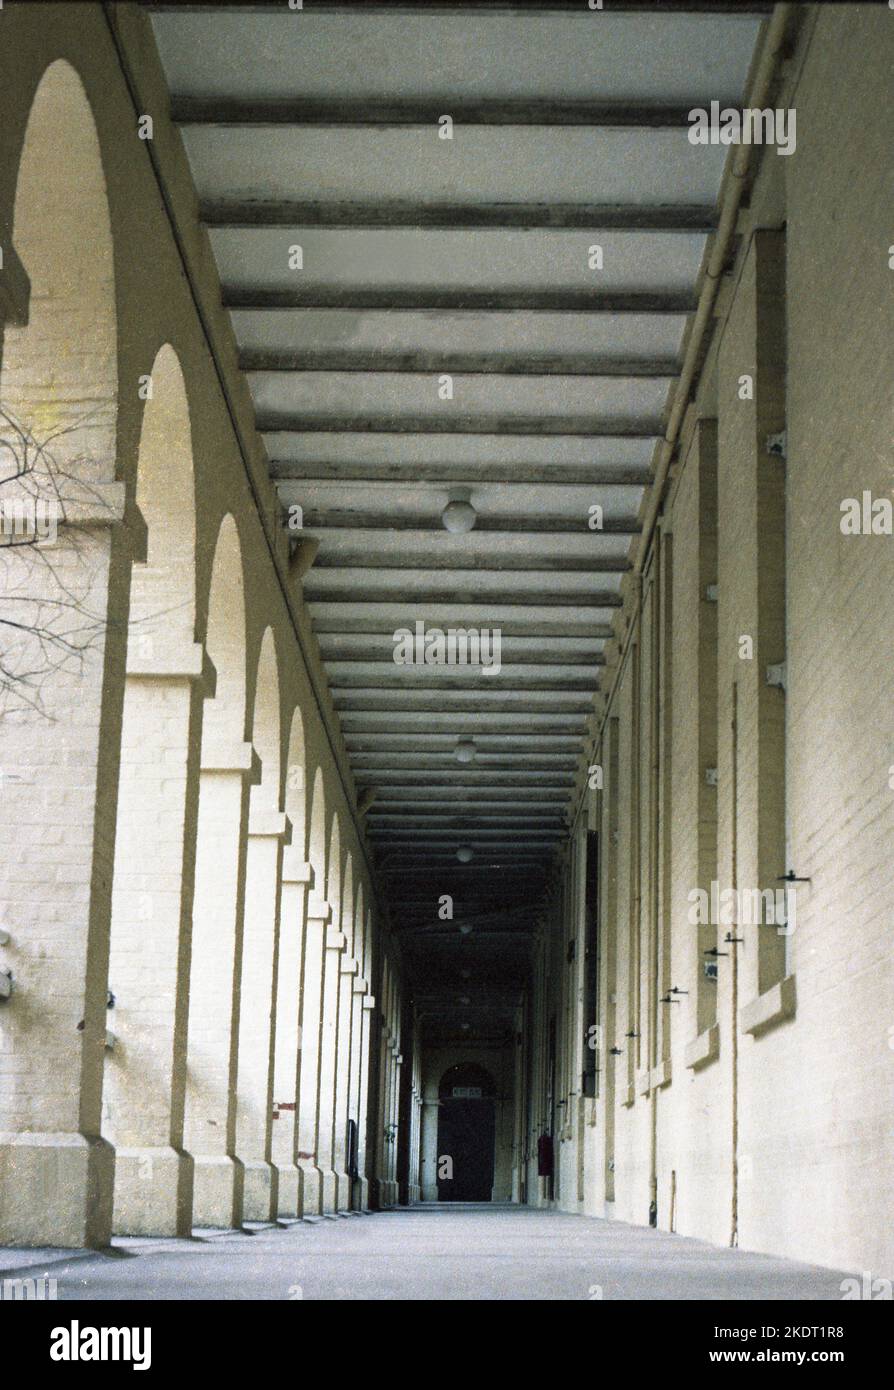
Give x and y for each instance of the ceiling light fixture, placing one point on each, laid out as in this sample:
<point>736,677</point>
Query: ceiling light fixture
<point>464,854</point>
<point>459,515</point>
<point>464,752</point>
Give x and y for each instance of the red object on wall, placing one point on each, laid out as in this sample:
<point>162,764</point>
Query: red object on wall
<point>545,1156</point>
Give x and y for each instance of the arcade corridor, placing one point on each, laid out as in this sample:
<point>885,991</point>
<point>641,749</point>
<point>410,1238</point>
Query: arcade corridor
<point>446,668</point>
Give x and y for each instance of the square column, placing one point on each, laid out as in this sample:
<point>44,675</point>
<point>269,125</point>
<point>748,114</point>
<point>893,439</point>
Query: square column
<point>212,1058</point>
<point>346,1045</point>
<point>328,1070</point>
<point>297,880</point>
<point>357,1105</point>
<point>268,831</point>
<point>310,1186</point>
<point>152,903</point>
<point>58,796</point>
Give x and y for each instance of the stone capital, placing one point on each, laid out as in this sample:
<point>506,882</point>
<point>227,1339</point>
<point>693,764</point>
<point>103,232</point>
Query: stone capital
<point>295,869</point>
<point>271,825</point>
<point>318,910</point>
<point>230,755</point>
<point>157,657</point>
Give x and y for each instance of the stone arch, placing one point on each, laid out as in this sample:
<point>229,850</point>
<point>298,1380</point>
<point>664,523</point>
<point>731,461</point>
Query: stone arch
<point>359,926</point>
<point>296,784</point>
<point>156,830</point>
<point>311,1191</point>
<point>224,715</point>
<point>260,951</point>
<point>163,587</point>
<point>291,976</point>
<point>334,869</point>
<point>58,408</point>
<point>266,726</point>
<point>60,368</point>
<point>347,900</point>
<point>316,833</point>
<point>229,767</point>
<point>58,393</point>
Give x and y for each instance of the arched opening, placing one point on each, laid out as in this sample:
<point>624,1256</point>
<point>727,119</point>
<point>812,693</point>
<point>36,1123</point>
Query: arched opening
<point>466,1134</point>
<point>228,765</point>
<point>58,418</point>
<point>315,928</point>
<point>316,834</point>
<point>296,875</point>
<point>345,964</point>
<point>157,795</point>
<point>357,988</point>
<point>332,953</point>
<point>58,413</point>
<point>257,1003</point>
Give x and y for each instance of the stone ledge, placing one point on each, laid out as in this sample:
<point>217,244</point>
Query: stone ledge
<point>266,824</point>
<point>661,1075</point>
<point>173,661</point>
<point>230,755</point>
<point>774,1006</point>
<point>703,1049</point>
<point>643,1082</point>
<point>294,869</point>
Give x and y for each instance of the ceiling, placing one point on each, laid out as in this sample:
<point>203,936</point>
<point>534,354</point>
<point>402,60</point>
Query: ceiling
<point>424,256</point>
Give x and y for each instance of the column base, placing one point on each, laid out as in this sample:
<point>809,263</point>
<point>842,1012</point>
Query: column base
<point>380,1194</point>
<point>57,1190</point>
<point>217,1191</point>
<point>309,1186</point>
<point>343,1185</point>
<point>259,1194</point>
<point>288,1185</point>
<point>328,1191</point>
<point>361,1194</point>
<point>153,1192</point>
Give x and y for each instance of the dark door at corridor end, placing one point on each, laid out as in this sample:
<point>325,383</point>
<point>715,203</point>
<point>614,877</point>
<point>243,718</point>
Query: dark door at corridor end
<point>466,1135</point>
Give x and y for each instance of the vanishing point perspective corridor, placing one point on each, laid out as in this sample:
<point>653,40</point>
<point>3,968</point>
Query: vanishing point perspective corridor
<point>446,658</point>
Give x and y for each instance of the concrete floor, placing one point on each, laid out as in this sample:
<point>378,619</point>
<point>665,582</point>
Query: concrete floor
<point>453,1251</point>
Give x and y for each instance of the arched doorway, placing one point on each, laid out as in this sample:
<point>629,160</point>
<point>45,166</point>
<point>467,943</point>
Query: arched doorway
<point>466,1134</point>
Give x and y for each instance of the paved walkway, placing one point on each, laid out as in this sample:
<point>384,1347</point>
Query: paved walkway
<point>454,1251</point>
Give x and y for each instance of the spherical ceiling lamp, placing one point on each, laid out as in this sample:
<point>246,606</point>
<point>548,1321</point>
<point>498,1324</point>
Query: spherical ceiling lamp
<point>464,854</point>
<point>458,516</point>
<point>464,752</point>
